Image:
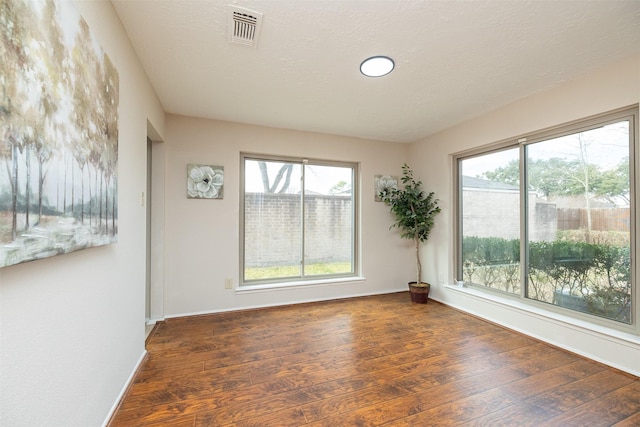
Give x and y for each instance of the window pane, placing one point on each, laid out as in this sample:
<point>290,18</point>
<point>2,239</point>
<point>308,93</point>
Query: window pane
<point>272,220</point>
<point>328,220</point>
<point>298,220</point>
<point>580,183</point>
<point>490,220</point>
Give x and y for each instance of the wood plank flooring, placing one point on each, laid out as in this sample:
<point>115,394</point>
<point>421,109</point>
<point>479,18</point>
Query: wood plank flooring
<point>368,361</point>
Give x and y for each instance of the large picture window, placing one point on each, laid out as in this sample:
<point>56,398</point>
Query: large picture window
<point>298,220</point>
<point>568,195</point>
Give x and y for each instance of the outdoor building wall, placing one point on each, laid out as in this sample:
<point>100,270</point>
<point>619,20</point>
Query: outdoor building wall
<point>273,228</point>
<point>496,213</point>
<point>544,227</point>
<point>328,226</point>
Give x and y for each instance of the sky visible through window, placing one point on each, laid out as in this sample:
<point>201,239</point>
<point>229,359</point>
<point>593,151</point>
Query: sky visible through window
<point>607,147</point>
<point>319,179</point>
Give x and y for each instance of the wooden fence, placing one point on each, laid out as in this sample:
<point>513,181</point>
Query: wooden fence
<point>602,219</point>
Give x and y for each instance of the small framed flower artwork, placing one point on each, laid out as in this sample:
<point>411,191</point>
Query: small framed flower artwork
<point>384,183</point>
<point>205,181</point>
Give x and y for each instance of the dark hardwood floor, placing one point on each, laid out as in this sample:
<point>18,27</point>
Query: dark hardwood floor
<point>368,361</point>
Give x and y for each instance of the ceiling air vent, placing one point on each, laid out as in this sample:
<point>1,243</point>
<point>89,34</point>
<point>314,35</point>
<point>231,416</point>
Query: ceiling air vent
<point>244,26</point>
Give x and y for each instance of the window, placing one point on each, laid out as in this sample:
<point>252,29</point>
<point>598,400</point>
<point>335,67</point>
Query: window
<point>568,195</point>
<point>298,220</point>
<point>491,236</point>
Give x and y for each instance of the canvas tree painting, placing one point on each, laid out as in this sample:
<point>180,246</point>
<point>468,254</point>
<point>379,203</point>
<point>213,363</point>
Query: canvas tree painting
<point>58,133</point>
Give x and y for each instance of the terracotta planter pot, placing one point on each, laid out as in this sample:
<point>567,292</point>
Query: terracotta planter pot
<point>419,292</point>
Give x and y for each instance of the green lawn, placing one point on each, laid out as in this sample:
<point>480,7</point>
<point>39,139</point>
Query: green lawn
<point>288,271</point>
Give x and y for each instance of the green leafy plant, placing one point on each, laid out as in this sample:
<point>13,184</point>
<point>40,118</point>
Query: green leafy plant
<point>594,278</point>
<point>414,210</point>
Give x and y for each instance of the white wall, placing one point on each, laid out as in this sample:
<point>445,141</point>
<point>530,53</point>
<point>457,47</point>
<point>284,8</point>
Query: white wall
<point>202,236</point>
<point>610,88</point>
<point>72,326</point>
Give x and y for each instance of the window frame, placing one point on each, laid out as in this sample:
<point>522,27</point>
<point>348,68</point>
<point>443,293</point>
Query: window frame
<point>631,114</point>
<point>302,280</point>
<point>457,232</point>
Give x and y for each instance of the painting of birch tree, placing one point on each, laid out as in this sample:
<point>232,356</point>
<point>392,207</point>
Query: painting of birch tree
<point>58,133</point>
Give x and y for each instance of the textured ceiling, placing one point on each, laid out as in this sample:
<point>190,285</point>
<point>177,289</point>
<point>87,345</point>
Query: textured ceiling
<point>454,59</point>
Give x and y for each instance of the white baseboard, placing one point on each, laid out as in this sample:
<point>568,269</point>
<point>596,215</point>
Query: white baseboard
<point>292,302</point>
<point>125,388</point>
<point>608,346</point>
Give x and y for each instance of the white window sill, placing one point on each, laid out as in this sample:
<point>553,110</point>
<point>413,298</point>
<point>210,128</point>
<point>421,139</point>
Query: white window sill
<point>629,335</point>
<point>298,285</point>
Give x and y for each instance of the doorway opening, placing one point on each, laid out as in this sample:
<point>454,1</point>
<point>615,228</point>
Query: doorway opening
<point>147,300</point>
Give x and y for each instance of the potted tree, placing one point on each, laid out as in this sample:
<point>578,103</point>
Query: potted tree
<point>414,211</point>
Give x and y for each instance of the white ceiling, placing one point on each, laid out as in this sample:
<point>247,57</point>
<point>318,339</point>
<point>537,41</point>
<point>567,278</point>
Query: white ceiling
<point>454,59</point>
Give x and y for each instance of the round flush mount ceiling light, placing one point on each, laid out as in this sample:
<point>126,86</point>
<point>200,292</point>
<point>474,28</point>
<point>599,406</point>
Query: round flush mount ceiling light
<point>377,66</point>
